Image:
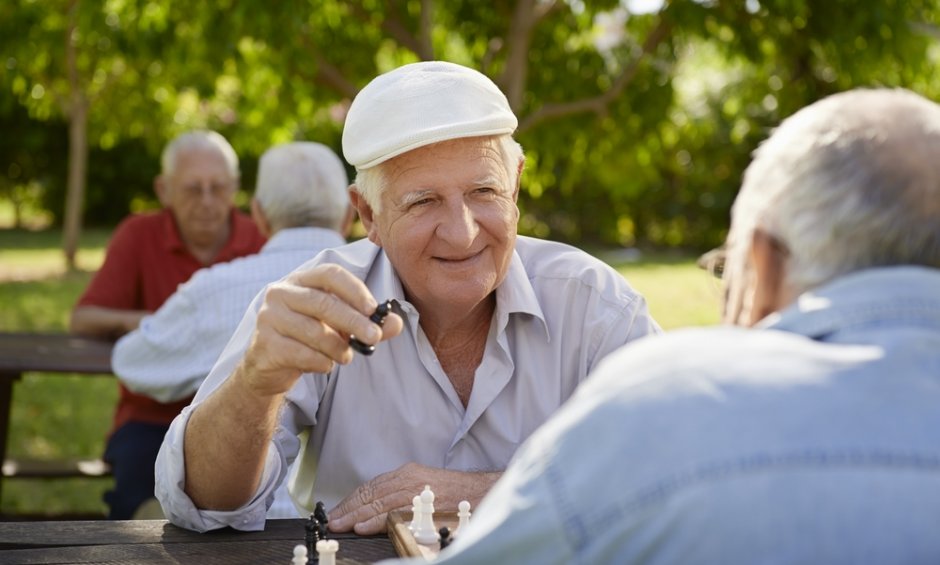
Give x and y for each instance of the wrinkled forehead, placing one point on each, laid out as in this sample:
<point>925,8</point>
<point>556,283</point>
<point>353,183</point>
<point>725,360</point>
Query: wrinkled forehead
<point>202,162</point>
<point>467,161</point>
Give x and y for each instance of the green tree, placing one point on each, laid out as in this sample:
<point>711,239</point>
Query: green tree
<point>636,125</point>
<point>69,60</point>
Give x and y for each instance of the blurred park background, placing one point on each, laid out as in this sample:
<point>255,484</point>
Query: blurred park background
<point>637,118</point>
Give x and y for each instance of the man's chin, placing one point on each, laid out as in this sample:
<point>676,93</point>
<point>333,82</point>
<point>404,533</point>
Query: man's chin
<point>204,237</point>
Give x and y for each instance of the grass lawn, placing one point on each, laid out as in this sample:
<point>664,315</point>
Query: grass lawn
<point>69,415</point>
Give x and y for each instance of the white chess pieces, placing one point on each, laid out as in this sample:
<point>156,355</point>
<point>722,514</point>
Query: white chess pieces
<point>326,551</point>
<point>415,513</point>
<point>463,516</point>
<point>425,532</point>
<point>300,555</point>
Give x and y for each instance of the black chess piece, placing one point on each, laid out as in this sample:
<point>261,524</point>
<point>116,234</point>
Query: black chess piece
<point>444,532</point>
<point>379,318</point>
<point>319,512</point>
<point>311,537</point>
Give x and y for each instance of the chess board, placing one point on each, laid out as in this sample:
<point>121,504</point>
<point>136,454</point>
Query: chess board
<point>404,541</point>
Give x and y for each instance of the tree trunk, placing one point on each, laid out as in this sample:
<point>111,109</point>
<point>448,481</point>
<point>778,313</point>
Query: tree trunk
<point>77,113</point>
<point>75,194</point>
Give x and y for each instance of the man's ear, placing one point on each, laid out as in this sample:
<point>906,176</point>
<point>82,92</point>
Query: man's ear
<point>162,190</point>
<point>515,194</point>
<point>260,220</point>
<point>769,260</point>
<point>365,214</point>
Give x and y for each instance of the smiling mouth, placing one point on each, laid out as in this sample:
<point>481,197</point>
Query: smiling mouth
<point>456,260</point>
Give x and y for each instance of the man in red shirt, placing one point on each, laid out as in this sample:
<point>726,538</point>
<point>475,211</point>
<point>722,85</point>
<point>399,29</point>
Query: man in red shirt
<point>149,255</point>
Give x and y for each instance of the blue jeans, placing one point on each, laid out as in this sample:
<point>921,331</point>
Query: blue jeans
<point>132,452</point>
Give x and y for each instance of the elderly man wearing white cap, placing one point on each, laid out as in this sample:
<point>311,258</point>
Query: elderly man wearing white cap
<point>492,331</point>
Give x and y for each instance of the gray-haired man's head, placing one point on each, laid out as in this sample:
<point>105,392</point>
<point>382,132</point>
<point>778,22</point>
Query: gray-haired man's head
<point>848,183</point>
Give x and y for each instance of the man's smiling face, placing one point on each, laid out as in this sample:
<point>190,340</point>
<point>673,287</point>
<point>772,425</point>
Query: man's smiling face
<point>448,221</point>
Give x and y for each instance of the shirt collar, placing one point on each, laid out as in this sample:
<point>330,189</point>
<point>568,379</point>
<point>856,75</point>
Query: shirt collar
<point>171,234</point>
<point>301,239</point>
<point>240,241</point>
<point>865,297</point>
<point>516,296</point>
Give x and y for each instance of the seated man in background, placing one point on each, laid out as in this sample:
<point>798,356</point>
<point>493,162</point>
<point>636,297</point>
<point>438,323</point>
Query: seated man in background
<point>149,255</point>
<point>301,203</point>
<point>810,437</point>
<point>496,330</point>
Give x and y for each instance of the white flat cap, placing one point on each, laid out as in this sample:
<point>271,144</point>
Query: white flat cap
<point>420,104</point>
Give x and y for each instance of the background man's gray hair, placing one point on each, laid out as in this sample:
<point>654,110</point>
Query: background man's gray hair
<point>370,183</point>
<point>302,184</point>
<point>198,139</point>
<point>848,183</point>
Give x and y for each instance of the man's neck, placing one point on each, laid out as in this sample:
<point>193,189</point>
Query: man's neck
<point>207,252</point>
<point>460,344</point>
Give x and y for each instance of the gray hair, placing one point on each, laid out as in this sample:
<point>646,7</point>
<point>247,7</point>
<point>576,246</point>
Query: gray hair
<point>302,184</point>
<point>198,139</point>
<point>370,182</point>
<point>848,183</point>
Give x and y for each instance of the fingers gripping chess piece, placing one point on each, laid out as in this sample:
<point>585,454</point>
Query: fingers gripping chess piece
<point>425,533</point>
<point>377,317</point>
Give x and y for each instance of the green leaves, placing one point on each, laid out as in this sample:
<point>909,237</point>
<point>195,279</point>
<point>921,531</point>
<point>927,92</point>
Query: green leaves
<point>637,126</point>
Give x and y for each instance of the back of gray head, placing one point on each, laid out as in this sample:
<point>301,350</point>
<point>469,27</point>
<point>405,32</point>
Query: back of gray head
<point>848,183</point>
<point>302,184</point>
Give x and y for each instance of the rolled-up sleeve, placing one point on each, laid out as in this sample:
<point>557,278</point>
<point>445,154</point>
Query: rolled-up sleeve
<point>170,467</point>
<point>180,509</point>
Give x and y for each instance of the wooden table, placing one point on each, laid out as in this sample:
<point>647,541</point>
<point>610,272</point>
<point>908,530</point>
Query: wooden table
<point>157,541</point>
<point>48,353</point>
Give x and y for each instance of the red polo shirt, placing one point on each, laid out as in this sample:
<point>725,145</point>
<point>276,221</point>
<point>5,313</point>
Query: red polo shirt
<point>146,260</point>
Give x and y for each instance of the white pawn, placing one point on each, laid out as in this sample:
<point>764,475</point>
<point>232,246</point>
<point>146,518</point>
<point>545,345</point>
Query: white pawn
<point>415,513</point>
<point>326,551</point>
<point>425,532</point>
<point>463,516</point>
<point>300,555</point>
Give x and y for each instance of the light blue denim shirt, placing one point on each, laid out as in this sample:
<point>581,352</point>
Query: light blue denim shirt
<point>813,439</point>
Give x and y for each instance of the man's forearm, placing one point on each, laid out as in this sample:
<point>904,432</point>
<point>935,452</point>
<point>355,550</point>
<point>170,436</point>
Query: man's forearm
<point>97,321</point>
<point>226,442</point>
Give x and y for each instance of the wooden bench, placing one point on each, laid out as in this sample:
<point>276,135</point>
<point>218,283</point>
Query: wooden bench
<point>47,353</point>
<point>57,469</point>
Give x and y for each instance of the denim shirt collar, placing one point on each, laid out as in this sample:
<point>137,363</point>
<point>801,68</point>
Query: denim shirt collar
<point>875,295</point>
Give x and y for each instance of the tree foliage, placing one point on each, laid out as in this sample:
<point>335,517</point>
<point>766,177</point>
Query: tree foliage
<point>636,126</point>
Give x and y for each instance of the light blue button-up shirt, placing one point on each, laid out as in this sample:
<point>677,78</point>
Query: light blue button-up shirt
<point>812,439</point>
<point>173,349</point>
<point>558,312</point>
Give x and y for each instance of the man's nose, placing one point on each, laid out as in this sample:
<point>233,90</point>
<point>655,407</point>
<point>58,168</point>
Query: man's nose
<point>459,227</point>
<point>205,193</point>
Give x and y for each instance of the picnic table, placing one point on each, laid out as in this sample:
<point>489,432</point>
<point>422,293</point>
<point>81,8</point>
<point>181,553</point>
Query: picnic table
<point>46,353</point>
<point>158,541</point>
